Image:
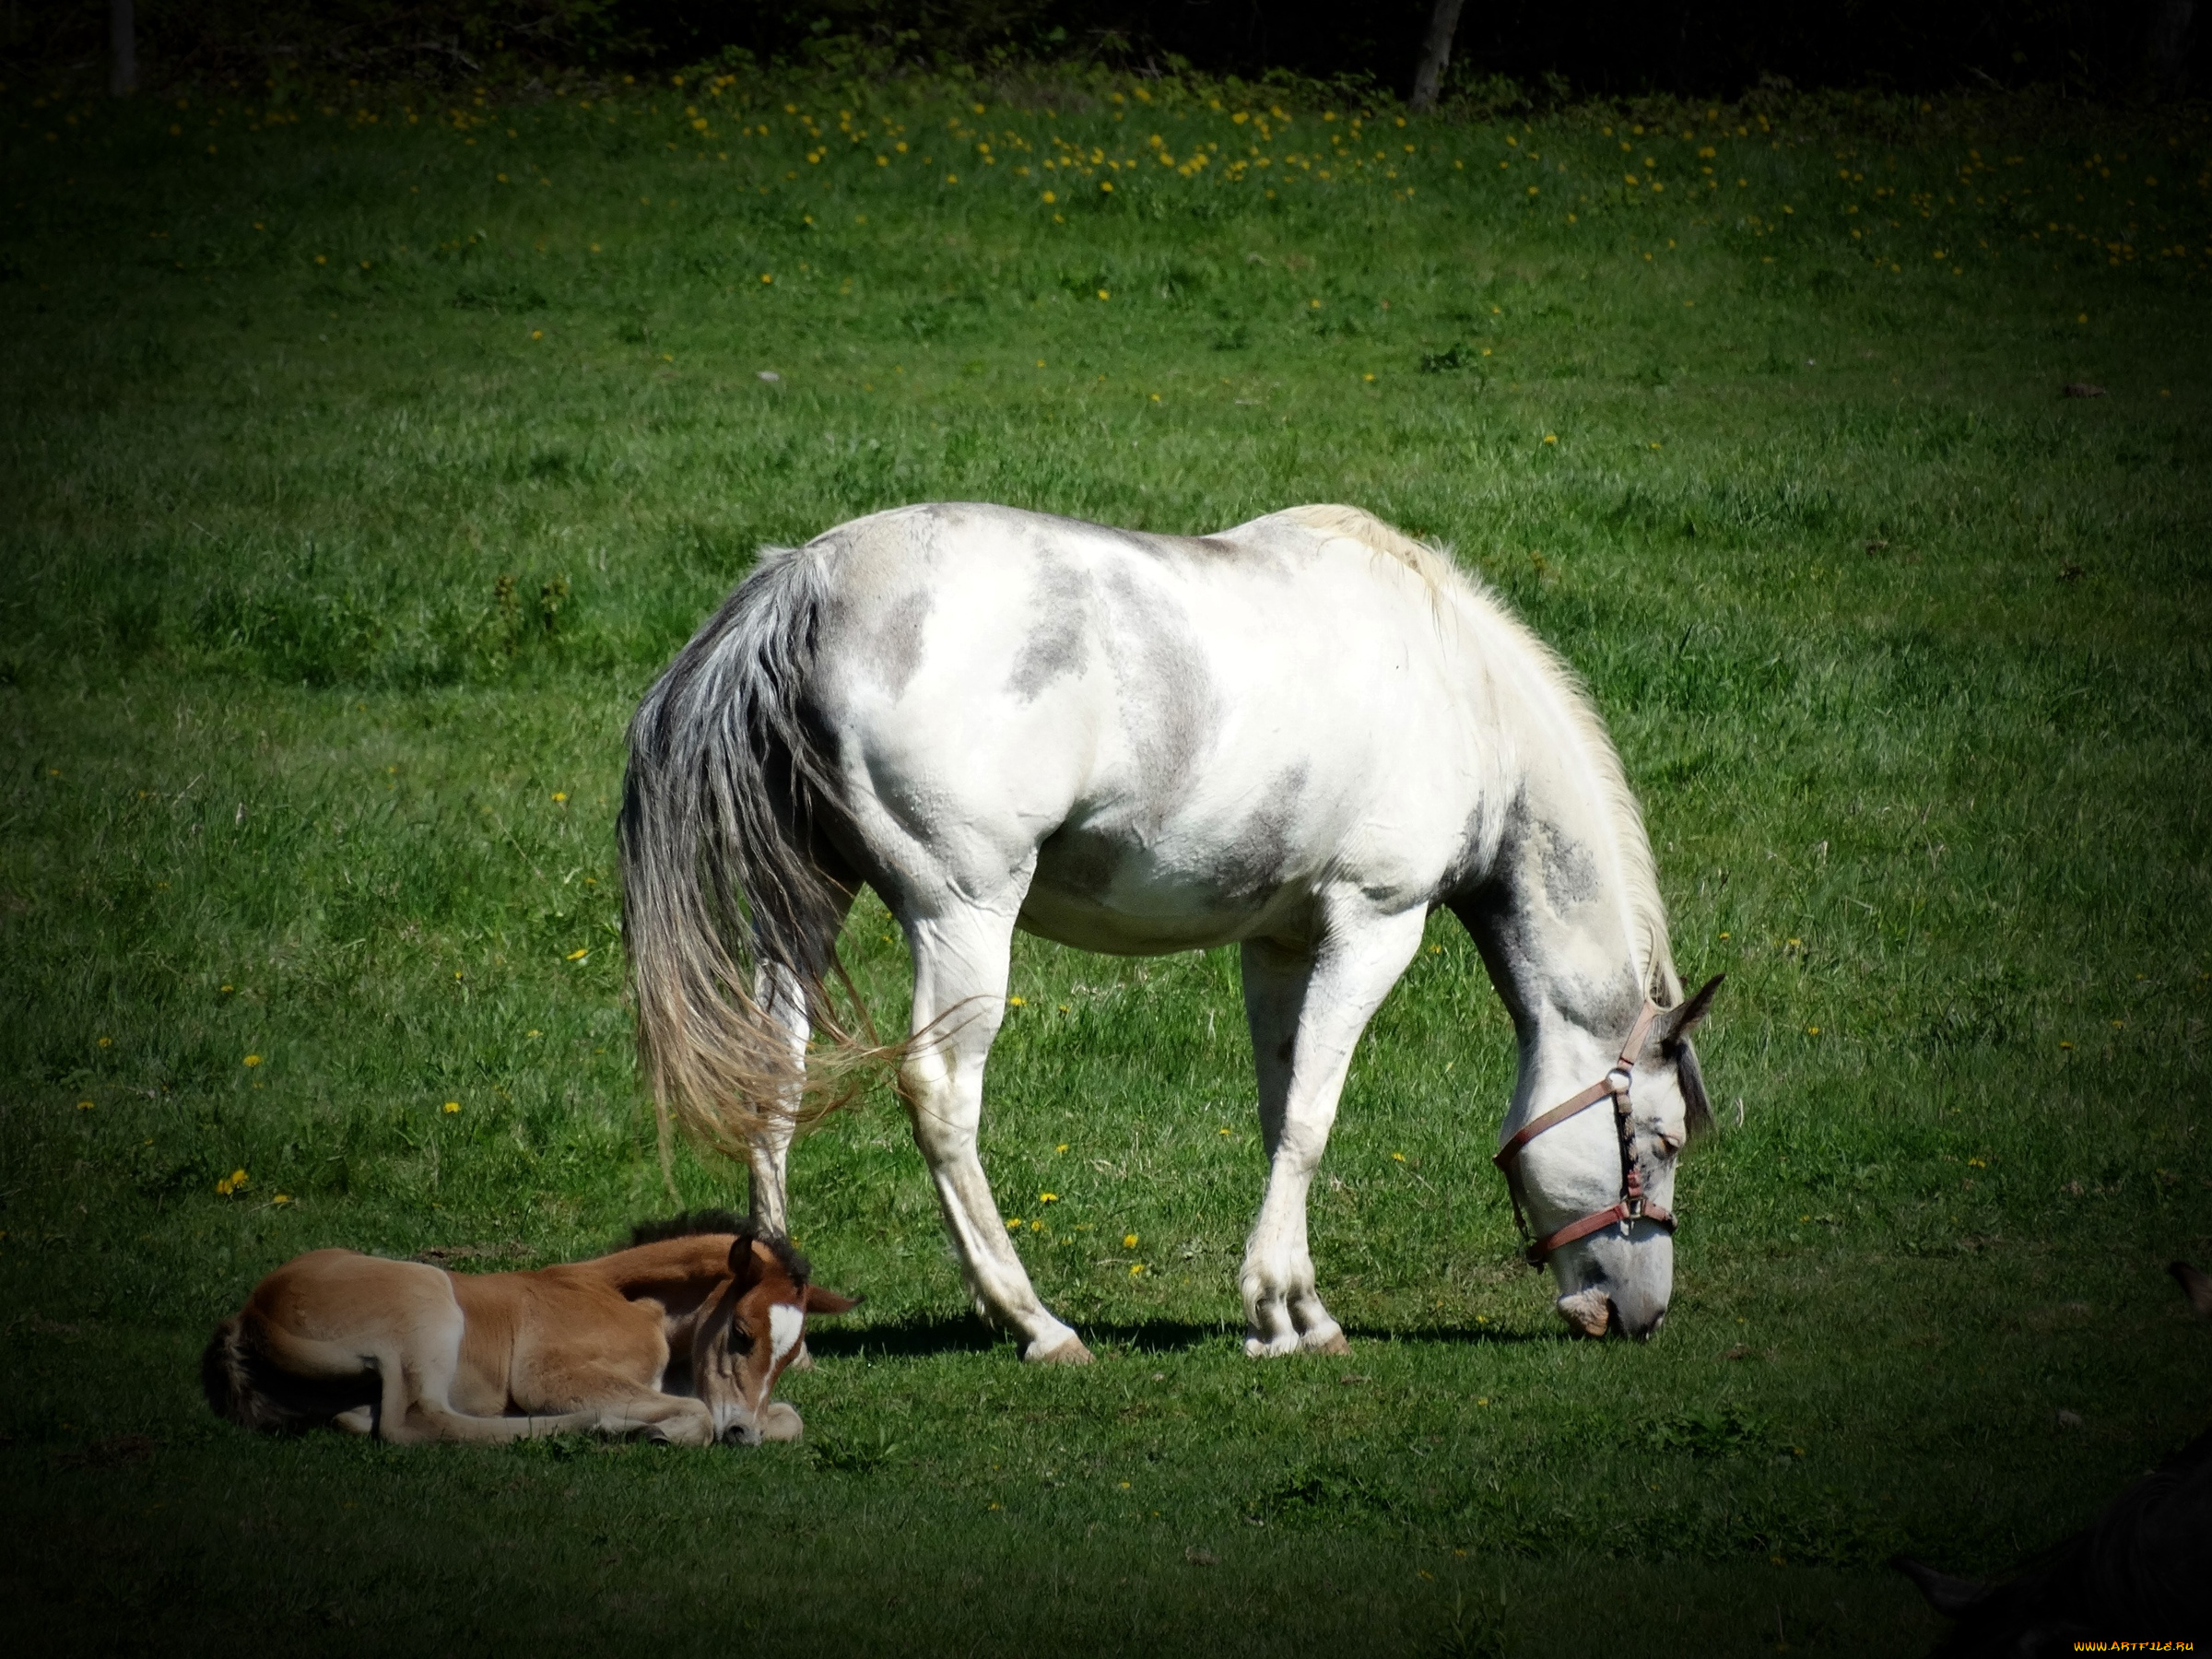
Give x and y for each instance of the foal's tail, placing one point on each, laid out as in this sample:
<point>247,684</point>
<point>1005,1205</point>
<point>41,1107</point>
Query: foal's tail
<point>728,911</point>
<point>244,1388</point>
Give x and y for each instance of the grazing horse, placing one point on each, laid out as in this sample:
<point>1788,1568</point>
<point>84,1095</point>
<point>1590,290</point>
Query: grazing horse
<point>680,1337</point>
<point>1300,735</point>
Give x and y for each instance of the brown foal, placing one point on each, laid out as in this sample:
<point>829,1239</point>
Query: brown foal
<point>680,1337</point>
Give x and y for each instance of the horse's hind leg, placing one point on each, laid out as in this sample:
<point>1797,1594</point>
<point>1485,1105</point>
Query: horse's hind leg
<point>1306,1013</point>
<point>961,961</point>
<point>767,1148</point>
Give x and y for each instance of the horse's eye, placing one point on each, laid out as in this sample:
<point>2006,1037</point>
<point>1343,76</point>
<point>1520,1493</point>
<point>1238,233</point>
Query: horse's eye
<point>1668,1144</point>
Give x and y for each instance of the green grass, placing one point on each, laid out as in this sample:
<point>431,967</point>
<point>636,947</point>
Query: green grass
<point>354,495</point>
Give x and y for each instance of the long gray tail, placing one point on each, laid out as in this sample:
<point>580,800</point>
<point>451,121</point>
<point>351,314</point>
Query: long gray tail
<point>727,908</point>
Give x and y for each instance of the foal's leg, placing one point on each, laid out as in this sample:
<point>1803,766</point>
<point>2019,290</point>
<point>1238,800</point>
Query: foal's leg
<point>959,1001</point>
<point>417,1394</point>
<point>1306,1013</point>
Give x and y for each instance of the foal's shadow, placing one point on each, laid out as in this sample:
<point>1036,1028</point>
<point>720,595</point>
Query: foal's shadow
<point>924,1337</point>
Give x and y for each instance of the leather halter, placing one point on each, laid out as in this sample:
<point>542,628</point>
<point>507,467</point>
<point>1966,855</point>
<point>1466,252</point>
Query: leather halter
<point>1631,1205</point>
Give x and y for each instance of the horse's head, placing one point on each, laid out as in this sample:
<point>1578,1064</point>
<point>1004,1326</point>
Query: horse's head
<point>752,1332</point>
<point>1619,1278</point>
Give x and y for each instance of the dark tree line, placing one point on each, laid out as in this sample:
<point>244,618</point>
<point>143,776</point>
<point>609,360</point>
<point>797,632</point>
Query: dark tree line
<point>1422,49</point>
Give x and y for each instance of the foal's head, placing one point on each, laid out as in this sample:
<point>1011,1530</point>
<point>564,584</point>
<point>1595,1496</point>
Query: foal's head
<point>751,1331</point>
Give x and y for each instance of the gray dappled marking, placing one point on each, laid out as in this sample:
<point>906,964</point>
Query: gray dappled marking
<point>1570,870</point>
<point>894,649</point>
<point>1059,642</point>
<point>1168,703</point>
<point>1252,864</point>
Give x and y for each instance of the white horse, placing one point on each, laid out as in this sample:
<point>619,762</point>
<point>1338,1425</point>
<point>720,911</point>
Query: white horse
<point>1300,735</point>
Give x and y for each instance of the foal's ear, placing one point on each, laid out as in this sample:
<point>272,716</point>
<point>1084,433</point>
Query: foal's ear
<point>1675,1025</point>
<point>749,1261</point>
<point>819,1300</point>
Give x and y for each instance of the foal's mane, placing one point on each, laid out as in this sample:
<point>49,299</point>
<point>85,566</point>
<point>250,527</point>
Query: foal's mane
<point>694,1223</point>
<point>1472,597</point>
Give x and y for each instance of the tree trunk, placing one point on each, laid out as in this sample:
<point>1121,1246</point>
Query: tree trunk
<point>123,48</point>
<point>2166,46</point>
<point>1436,53</point>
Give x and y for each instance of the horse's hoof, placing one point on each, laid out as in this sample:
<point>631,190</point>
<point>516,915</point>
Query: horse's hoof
<point>1069,1352</point>
<point>1271,1347</point>
<point>1333,1343</point>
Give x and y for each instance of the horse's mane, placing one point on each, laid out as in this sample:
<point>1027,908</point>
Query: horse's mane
<point>1447,581</point>
<point>692,1223</point>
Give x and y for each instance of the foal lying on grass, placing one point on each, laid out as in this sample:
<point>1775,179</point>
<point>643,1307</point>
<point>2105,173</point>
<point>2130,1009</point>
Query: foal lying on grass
<point>680,1337</point>
<point>2142,1571</point>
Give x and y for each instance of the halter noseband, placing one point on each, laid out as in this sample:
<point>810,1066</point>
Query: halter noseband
<point>1631,1205</point>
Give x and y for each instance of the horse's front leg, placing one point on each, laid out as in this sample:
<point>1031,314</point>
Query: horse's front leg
<point>1306,1010</point>
<point>961,964</point>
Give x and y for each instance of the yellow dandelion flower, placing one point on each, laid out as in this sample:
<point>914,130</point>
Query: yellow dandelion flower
<point>1128,1241</point>
<point>452,1107</point>
<point>1105,294</point>
<point>561,794</point>
<point>1551,437</point>
<point>253,1059</point>
<point>1013,1223</point>
<point>1136,1270</point>
<point>1047,1198</point>
<point>1050,196</point>
<point>281,1198</point>
<point>84,1106</point>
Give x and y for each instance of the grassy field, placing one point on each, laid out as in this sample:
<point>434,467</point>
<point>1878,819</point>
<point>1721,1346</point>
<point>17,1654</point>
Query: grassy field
<point>363,464</point>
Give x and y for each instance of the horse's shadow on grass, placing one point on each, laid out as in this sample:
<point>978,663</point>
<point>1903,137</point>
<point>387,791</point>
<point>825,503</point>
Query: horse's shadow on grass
<point>925,1338</point>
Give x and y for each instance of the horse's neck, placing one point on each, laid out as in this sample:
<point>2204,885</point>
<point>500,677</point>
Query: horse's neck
<point>1554,911</point>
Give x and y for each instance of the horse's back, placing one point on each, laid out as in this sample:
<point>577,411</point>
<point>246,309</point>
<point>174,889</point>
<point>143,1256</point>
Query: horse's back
<point>1184,730</point>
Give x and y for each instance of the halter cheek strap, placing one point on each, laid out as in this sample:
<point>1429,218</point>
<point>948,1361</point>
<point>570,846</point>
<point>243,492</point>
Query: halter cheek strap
<point>1631,1205</point>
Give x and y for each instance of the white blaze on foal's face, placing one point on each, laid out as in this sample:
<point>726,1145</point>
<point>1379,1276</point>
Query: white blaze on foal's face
<point>786,1324</point>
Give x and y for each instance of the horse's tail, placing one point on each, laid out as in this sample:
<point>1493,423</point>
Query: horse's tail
<point>233,1376</point>
<point>727,911</point>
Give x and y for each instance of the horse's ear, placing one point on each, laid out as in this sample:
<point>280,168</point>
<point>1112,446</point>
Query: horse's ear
<point>1675,1025</point>
<point>1696,1110</point>
<point>819,1300</point>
